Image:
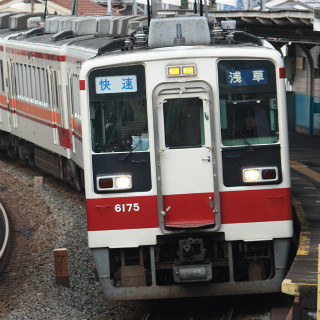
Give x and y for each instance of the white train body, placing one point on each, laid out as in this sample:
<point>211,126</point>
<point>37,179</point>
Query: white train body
<point>184,198</point>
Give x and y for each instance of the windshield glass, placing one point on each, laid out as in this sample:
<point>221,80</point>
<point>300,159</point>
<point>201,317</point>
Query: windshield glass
<point>248,102</point>
<point>183,122</point>
<point>118,110</point>
<point>119,126</point>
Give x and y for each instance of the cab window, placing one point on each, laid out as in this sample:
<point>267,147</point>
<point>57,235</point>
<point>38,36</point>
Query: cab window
<point>248,102</point>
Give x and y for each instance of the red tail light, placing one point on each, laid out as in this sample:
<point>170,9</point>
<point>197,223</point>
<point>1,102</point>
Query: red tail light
<point>269,174</point>
<point>106,183</point>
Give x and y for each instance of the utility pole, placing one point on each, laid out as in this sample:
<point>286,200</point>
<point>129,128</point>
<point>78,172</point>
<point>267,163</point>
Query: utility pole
<point>74,7</point>
<point>109,8</point>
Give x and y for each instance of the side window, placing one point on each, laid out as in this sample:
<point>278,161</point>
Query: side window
<point>54,90</point>
<point>75,93</point>
<point>1,75</point>
<point>29,83</point>
<point>17,80</point>
<point>71,95</point>
<point>16,68</point>
<point>25,82</point>
<point>44,96</point>
<point>46,87</point>
<point>41,82</point>
<point>38,77</point>
<point>35,84</point>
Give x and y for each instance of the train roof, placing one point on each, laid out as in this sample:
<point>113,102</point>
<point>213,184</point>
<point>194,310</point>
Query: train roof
<point>46,39</point>
<point>7,32</point>
<point>101,35</point>
<point>94,43</point>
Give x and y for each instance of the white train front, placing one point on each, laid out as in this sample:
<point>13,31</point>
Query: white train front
<point>185,158</point>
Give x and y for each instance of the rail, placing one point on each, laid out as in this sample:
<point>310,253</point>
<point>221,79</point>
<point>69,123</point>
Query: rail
<point>5,226</point>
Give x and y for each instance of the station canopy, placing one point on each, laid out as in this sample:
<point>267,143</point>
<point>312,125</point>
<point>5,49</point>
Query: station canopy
<point>278,25</point>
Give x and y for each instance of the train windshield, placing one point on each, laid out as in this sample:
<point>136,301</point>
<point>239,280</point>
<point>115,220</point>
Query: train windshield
<point>118,110</point>
<point>248,102</point>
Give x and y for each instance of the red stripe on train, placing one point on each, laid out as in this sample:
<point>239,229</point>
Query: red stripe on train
<point>35,54</point>
<point>255,206</point>
<point>142,212</point>
<point>122,213</point>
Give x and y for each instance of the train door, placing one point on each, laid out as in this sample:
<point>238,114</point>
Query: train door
<point>186,157</point>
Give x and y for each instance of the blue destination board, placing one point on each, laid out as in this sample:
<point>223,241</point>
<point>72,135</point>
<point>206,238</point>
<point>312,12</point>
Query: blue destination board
<point>246,77</point>
<point>116,84</point>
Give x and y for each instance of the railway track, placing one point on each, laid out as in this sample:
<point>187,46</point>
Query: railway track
<point>4,231</point>
<point>251,307</point>
<point>14,240</point>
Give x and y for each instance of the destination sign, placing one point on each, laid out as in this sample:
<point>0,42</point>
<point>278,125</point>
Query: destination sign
<point>246,77</point>
<point>116,84</point>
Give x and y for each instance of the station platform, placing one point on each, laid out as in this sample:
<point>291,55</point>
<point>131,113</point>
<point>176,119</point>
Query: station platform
<point>302,278</point>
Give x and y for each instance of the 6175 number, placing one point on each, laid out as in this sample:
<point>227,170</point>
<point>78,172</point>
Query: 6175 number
<point>127,207</point>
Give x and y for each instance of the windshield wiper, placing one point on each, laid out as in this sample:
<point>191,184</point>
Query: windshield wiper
<point>139,143</point>
<point>239,133</point>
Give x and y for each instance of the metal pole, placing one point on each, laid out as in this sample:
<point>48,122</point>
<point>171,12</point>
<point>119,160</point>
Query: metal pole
<point>154,8</point>
<point>109,8</point>
<point>74,7</point>
<point>149,12</point>
<point>45,9</point>
<point>135,10</point>
<point>206,9</point>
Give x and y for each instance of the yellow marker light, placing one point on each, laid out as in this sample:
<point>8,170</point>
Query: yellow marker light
<point>251,175</point>
<point>174,71</point>
<point>188,70</point>
<point>123,182</point>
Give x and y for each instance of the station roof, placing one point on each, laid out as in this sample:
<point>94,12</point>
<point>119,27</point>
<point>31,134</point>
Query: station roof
<point>279,25</point>
<point>61,7</point>
<point>275,25</point>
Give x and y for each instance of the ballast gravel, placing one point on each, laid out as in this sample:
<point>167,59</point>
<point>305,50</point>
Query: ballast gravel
<point>56,218</point>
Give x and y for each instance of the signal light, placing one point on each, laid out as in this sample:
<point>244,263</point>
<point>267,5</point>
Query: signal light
<point>178,71</point>
<point>188,70</point>
<point>174,71</point>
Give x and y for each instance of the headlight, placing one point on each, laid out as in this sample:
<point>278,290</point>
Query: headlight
<point>251,175</point>
<point>123,182</point>
<point>114,182</point>
<point>259,175</point>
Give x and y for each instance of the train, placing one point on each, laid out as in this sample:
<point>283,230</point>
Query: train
<point>176,127</point>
